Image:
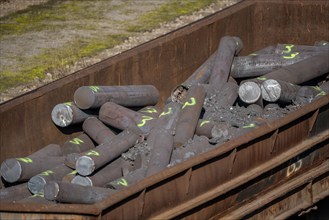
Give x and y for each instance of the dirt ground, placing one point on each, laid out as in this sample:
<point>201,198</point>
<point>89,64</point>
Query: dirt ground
<point>16,48</point>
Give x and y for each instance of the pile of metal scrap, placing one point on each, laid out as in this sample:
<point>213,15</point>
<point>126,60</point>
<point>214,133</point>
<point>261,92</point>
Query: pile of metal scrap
<point>126,137</point>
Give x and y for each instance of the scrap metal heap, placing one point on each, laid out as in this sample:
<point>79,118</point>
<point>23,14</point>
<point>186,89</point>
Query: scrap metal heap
<point>127,137</point>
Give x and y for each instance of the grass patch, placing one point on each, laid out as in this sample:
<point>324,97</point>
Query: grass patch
<point>57,59</point>
<point>167,12</point>
<point>48,15</point>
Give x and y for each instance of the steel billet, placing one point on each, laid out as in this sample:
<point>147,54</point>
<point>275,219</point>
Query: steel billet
<point>87,97</point>
<point>161,138</point>
<point>210,129</point>
<point>204,128</point>
<point>99,132</point>
<point>199,76</point>
<point>228,47</point>
<point>256,122</point>
<point>107,174</point>
<point>200,144</point>
<point>302,71</point>
<point>189,115</point>
<point>307,94</point>
<point>51,150</point>
<point>152,111</point>
<point>104,153</point>
<point>224,96</point>
<point>321,43</point>
<point>202,74</point>
<point>69,177</point>
<point>122,118</point>
<point>68,113</point>
<point>14,193</point>
<point>72,193</point>
<point>307,69</point>
<point>278,90</point>
<point>292,49</point>
<point>36,198</point>
<point>21,169</point>
<point>37,182</point>
<point>258,65</point>
<point>78,144</point>
<point>14,168</point>
<point>265,50</point>
<point>127,180</point>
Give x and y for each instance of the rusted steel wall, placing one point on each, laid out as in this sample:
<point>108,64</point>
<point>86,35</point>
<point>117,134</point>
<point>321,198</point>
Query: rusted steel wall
<point>210,183</point>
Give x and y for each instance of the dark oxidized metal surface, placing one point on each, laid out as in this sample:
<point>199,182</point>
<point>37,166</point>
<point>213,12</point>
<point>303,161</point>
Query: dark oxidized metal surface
<point>209,184</point>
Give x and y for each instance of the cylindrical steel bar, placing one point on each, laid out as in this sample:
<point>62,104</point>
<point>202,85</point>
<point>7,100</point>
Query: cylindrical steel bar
<point>99,132</point>
<point>225,96</point>
<point>73,193</point>
<point>68,113</point>
<point>14,193</point>
<point>227,48</point>
<point>189,115</point>
<point>198,145</point>
<point>256,122</point>
<point>78,144</point>
<point>265,50</point>
<point>37,182</point>
<point>87,97</point>
<point>36,198</point>
<point>292,49</point>
<point>278,90</point>
<point>202,74</point>
<point>152,111</point>
<point>302,71</point>
<point>21,169</point>
<point>258,65</point>
<point>204,128</point>
<point>51,150</point>
<point>107,174</point>
<point>296,73</point>
<point>307,94</point>
<point>161,140</point>
<point>122,118</point>
<point>69,177</point>
<point>127,180</point>
<point>321,43</point>
<point>104,153</point>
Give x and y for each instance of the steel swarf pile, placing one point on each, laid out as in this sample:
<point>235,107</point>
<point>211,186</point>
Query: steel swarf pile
<point>127,137</point>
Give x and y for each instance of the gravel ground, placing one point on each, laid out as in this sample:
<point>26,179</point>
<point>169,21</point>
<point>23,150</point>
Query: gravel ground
<point>17,47</point>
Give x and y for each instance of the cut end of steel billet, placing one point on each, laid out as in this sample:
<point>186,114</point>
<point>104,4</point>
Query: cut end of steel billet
<point>249,92</point>
<point>11,170</point>
<point>85,165</point>
<point>62,115</point>
<point>84,97</point>
<point>36,184</point>
<point>51,191</point>
<point>82,180</point>
<point>179,93</point>
<point>271,90</point>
